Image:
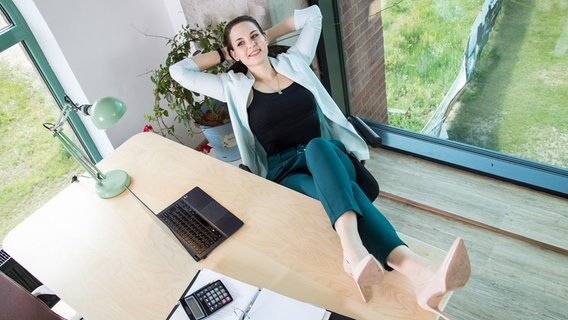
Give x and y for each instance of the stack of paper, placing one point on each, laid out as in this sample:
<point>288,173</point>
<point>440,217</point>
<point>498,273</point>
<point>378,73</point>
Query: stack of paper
<point>274,306</point>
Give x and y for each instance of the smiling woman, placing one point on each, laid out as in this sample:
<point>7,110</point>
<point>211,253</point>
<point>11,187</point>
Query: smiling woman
<point>291,131</point>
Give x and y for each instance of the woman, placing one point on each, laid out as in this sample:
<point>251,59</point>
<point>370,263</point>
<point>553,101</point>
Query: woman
<point>290,131</point>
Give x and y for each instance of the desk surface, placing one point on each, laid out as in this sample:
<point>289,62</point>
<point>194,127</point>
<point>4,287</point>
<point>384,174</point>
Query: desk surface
<point>112,259</point>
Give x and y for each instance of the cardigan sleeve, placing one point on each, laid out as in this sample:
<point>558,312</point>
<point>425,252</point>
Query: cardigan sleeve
<point>308,20</point>
<point>186,73</point>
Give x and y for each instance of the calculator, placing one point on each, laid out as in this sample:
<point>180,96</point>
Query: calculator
<point>206,300</point>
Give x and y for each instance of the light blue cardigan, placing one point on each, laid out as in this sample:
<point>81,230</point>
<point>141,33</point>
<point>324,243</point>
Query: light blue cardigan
<point>236,90</point>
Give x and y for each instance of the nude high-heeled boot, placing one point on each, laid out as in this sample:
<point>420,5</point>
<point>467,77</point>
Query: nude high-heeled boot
<point>366,273</point>
<point>452,274</point>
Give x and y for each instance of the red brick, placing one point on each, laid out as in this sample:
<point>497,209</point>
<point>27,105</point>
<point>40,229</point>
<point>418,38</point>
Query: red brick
<point>364,55</point>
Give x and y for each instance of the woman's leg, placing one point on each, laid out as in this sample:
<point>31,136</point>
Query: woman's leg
<point>362,228</point>
<point>352,245</point>
<point>430,286</point>
<point>345,225</point>
<point>411,265</point>
<point>363,268</point>
<point>330,180</point>
<point>332,169</point>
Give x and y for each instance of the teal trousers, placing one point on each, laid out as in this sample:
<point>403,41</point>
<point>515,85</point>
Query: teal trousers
<point>322,170</point>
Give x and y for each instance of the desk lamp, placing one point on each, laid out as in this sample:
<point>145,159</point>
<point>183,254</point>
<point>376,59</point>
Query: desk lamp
<point>104,113</point>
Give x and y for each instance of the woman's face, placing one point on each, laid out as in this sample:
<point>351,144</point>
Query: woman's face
<point>249,44</point>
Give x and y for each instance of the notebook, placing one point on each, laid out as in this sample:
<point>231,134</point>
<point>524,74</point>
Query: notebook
<point>199,222</point>
<point>252,303</point>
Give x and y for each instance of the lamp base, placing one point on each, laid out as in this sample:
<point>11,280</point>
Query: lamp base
<point>114,183</point>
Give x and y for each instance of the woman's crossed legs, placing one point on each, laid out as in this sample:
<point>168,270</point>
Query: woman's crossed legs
<point>364,230</point>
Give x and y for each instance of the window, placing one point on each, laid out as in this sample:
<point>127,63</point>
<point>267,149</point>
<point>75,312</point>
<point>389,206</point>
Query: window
<point>33,165</point>
<point>3,20</point>
<point>513,75</point>
<point>504,115</point>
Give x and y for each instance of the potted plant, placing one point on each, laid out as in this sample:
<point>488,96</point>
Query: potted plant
<point>189,107</point>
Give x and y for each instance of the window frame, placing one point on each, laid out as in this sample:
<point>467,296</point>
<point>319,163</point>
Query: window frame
<point>330,55</point>
<point>498,165</point>
<point>19,33</point>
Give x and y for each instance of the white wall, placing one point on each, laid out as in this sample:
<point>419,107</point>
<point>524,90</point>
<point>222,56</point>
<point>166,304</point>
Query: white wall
<point>266,12</point>
<point>99,48</point>
<point>106,48</point>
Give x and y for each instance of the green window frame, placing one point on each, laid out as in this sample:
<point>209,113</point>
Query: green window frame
<point>19,33</point>
<point>481,161</point>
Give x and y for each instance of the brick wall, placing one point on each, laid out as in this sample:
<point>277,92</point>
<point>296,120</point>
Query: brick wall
<point>364,58</point>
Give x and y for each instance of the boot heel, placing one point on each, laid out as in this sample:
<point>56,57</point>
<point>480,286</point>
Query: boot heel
<point>368,272</point>
<point>452,274</point>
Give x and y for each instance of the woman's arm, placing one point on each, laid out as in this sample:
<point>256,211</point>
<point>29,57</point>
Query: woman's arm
<point>282,28</point>
<point>209,59</point>
<point>309,21</point>
<point>187,73</point>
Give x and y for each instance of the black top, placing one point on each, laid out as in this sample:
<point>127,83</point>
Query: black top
<point>282,121</point>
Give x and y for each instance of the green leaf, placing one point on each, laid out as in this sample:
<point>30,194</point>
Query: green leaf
<point>178,99</point>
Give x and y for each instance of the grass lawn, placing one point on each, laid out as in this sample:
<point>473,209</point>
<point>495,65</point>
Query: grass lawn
<point>33,165</point>
<point>424,45</point>
<point>518,101</point>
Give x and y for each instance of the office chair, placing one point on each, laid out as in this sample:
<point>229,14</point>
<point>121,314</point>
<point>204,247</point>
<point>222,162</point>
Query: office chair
<point>365,179</point>
<point>20,277</point>
<point>17,303</point>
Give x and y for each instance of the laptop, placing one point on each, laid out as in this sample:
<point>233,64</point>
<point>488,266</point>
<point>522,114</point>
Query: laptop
<point>199,222</point>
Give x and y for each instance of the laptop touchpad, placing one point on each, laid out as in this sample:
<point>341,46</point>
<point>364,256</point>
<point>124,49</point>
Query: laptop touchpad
<point>213,212</point>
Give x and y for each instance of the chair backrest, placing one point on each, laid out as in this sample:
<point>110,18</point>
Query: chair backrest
<point>365,180</point>
<point>16,303</point>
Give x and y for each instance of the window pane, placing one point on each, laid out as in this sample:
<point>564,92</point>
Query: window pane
<point>504,90</point>
<point>422,58</point>
<point>33,165</point>
<point>515,101</point>
<point>3,20</point>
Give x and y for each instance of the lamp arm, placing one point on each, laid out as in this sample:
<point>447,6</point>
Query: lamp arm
<point>76,152</point>
<point>65,111</point>
<point>79,155</point>
<point>69,107</point>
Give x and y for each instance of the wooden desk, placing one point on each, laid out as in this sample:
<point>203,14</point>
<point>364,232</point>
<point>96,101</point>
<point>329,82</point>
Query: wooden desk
<point>111,259</point>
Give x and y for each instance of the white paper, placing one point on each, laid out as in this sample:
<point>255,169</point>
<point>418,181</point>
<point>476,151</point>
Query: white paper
<point>274,306</point>
<point>243,294</point>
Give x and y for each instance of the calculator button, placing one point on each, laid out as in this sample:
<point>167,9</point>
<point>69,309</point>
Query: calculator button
<point>213,296</point>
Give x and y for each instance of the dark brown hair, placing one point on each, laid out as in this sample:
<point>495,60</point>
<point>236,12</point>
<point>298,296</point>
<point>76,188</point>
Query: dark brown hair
<point>234,22</point>
<point>273,50</point>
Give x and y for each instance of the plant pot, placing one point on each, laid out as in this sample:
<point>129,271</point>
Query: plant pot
<point>222,139</point>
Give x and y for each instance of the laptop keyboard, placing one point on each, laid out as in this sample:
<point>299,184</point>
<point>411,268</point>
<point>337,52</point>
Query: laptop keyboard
<point>187,223</point>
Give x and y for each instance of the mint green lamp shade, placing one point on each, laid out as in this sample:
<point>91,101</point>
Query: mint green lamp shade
<point>107,111</point>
